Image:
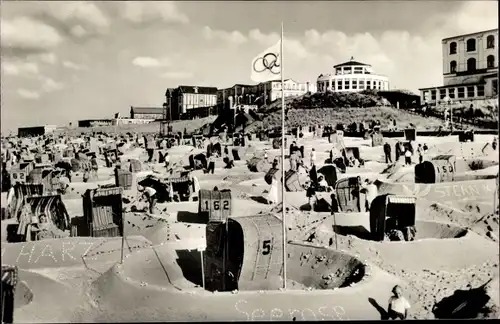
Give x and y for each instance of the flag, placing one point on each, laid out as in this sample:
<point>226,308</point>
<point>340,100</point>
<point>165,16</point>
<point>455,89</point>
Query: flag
<point>267,65</point>
<point>117,115</point>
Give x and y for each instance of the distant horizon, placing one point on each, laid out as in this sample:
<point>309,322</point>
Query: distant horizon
<point>68,61</point>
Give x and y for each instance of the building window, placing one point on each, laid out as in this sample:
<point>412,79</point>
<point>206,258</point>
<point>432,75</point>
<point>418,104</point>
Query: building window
<point>347,84</point>
<point>433,94</point>
<point>480,90</point>
<point>470,92</point>
<point>453,66</point>
<point>442,93</point>
<point>461,92</point>
<point>339,85</point>
<point>362,84</point>
<point>451,93</point>
<point>379,85</point>
<point>368,84</point>
<point>471,45</point>
<point>453,48</point>
<point>490,60</point>
<point>471,64</point>
<point>494,87</point>
<point>490,41</point>
<point>358,70</point>
<point>354,84</point>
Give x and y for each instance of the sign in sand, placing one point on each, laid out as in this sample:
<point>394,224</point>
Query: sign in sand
<point>453,192</point>
<point>64,252</point>
<point>270,313</point>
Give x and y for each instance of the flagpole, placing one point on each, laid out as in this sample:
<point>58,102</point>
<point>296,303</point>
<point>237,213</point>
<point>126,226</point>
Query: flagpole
<point>283,158</point>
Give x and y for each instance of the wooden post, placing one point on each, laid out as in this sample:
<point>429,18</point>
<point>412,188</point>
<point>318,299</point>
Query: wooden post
<point>202,269</point>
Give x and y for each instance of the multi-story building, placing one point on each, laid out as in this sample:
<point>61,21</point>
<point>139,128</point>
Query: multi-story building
<point>470,68</point>
<point>149,113</point>
<point>352,76</point>
<point>271,90</point>
<point>186,102</point>
<point>242,94</point>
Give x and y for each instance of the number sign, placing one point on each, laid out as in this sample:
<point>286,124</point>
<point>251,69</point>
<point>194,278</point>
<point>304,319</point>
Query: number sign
<point>266,247</point>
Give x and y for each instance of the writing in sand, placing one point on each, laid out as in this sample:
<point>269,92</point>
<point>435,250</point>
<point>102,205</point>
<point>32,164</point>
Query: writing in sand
<point>43,252</point>
<point>324,313</point>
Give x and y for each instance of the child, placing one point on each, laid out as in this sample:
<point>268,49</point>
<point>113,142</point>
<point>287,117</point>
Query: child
<point>398,305</point>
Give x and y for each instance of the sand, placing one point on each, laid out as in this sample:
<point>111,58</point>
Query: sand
<point>455,246</point>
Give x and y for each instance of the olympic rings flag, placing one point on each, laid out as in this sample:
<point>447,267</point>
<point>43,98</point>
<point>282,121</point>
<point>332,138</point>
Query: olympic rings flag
<point>267,65</point>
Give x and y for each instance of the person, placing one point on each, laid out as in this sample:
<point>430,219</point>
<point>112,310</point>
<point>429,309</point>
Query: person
<point>322,183</point>
<point>226,151</point>
<point>166,158</point>
<point>335,203</point>
<point>95,167</point>
<point>312,157</point>
<point>211,164</point>
<point>408,157</point>
<point>275,164</point>
<point>387,152</point>
<point>420,153</point>
<point>426,148</point>
<point>398,151</point>
<point>265,156</point>
<point>86,175</point>
<point>494,144</point>
<point>370,190</point>
<point>150,194</point>
<point>272,196</point>
<point>398,305</point>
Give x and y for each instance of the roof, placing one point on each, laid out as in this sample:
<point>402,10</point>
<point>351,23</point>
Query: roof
<point>350,63</point>
<point>401,200</point>
<point>147,110</point>
<point>470,34</point>
<point>443,157</point>
<point>201,90</point>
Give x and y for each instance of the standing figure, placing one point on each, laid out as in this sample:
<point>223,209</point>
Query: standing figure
<point>312,158</point>
<point>398,151</point>
<point>420,153</point>
<point>387,152</point>
<point>211,164</point>
<point>150,195</point>
<point>408,157</point>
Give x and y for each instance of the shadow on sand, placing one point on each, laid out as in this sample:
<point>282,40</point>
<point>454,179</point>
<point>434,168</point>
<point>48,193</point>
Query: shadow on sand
<point>260,199</point>
<point>190,263</point>
<point>193,218</point>
<point>463,304</point>
<point>358,231</point>
<point>380,309</point>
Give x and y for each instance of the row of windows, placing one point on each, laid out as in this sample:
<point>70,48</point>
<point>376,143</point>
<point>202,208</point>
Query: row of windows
<point>471,64</point>
<point>205,99</point>
<point>460,92</point>
<point>471,44</point>
<point>349,70</point>
<point>354,85</point>
<point>293,86</point>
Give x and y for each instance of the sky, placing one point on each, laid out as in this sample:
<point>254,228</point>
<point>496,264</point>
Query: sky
<point>66,61</point>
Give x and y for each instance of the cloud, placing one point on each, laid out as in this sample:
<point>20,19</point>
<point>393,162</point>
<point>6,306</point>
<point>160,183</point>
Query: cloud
<point>234,37</point>
<point>177,75</point>
<point>28,94</point>
<point>267,39</point>
<point>73,66</point>
<point>49,58</point>
<point>79,17</point>
<point>19,68</point>
<point>150,62</point>
<point>49,85</point>
<point>23,34</point>
<point>150,11</point>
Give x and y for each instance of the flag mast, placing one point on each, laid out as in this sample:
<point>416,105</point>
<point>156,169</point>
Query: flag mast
<point>283,220</point>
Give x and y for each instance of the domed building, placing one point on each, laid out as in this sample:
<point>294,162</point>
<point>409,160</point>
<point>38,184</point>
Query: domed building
<point>352,76</point>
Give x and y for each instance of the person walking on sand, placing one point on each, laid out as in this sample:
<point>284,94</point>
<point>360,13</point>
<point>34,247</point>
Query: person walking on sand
<point>398,305</point>
<point>420,152</point>
<point>272,196</point>
<point>211,164</point>
<point>387,152</point>
<point>312,158</point>
<point>408,157</point>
